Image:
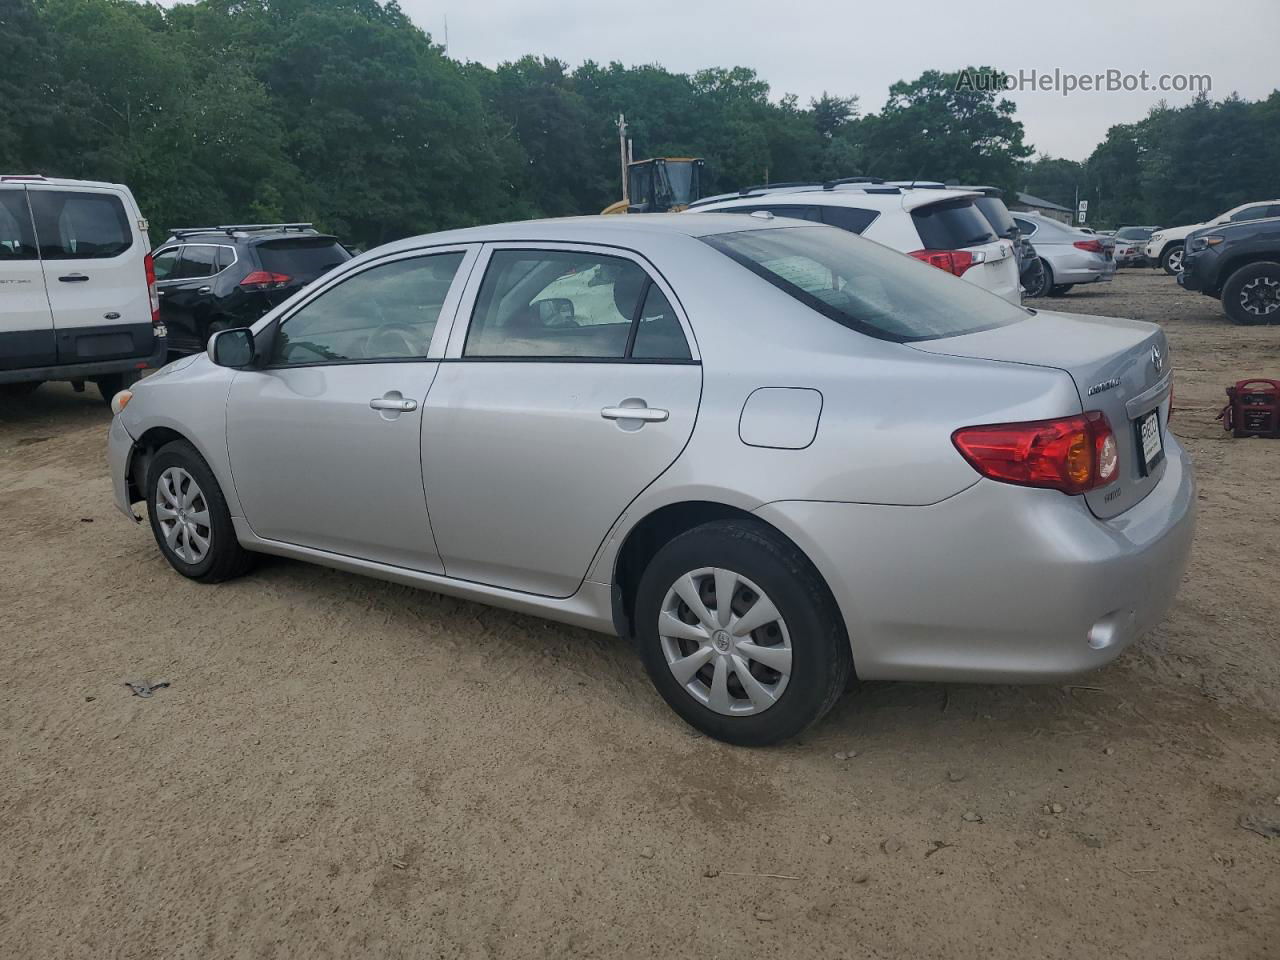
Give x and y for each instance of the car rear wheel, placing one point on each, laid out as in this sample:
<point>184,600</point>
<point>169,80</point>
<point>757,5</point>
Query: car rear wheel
<point>1171,259</point>
<point>1251,295</point>
<point>740,634</point>
<point>189,516</point>
<point>1038,279</point>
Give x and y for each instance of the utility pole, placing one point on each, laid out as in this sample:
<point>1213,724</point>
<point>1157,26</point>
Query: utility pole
<point>622,152</point>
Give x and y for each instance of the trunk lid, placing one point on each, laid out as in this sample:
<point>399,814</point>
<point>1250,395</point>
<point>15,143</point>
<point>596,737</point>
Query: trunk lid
<point>1120,367</point>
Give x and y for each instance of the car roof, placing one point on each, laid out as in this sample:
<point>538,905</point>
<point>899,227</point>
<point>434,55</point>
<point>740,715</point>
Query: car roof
<point>598,229</point>
<point>839,196</point>
<point>21,178</point>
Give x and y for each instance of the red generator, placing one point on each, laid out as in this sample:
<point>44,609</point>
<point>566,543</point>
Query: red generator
<point>1253,409</point>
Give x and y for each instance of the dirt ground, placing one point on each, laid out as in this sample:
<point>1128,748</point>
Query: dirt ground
<point>347,768</point>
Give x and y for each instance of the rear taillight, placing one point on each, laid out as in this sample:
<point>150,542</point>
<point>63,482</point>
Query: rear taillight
<point>952,261</point>
<point>1073,454</point>
<point>1089,246</point>
<point>265,280</point>
<point>150,265</point>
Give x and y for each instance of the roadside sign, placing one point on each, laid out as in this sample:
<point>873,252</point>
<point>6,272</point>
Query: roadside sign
<point>1084,206</point>
<point>1080,217</point>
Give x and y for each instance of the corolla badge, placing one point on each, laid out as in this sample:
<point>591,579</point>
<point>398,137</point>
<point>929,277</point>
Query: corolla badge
<point>1104,385</point>
<point>1157,361</point>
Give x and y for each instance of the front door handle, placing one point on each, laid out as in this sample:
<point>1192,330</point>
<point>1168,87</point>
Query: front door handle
<point>647,414</point>
<point>393,401</point>
<point>73,278</point>
<point>205,290</point>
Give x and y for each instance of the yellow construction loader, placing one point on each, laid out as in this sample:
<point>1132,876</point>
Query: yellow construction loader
<point>656,185</point>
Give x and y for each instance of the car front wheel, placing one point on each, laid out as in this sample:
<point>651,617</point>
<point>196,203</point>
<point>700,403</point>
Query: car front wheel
<point>1251,295</point>
<point>740,634</point>
<point>189,516</point>
<point>1171,260</point>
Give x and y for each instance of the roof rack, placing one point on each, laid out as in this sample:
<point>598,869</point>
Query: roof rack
<point>7,177</point>
<point>230,229</point>
<point>781,184</point>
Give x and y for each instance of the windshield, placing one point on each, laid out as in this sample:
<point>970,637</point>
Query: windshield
<point>952,225</point>
<point>302,258</point>
<point>865,286</point>
<point>1133,233</point>
<point>997,215</point>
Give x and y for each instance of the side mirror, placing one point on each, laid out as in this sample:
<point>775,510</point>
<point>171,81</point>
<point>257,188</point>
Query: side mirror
<point>232,348</point>
<point>555,310</point>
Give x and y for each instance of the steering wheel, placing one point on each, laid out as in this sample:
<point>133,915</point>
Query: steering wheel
<point>395,340</point>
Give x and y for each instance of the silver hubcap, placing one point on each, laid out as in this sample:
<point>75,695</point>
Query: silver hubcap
<point>725,642</point>
<point>1260,296</point>
<point>1175,261</point>
<point>183,513</point>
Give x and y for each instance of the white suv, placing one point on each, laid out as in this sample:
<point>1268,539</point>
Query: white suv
<point>945,228</point>
<point>1164,247</point>
<point>77,291</point>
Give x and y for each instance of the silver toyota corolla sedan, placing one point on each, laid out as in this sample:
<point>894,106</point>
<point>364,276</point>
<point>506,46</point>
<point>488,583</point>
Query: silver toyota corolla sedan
<point>774,453</point>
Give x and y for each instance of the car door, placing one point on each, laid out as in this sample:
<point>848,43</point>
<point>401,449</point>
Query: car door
<point>183,293</point>
<point>573,385</point>
<point>324,438</point>
<point>94,272</point>
<point>26,322</point>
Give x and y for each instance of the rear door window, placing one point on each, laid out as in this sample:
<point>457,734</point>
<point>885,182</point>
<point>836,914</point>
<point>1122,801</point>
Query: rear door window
<point>952,225</point>
<point>17,239</point>
<point>659,335</point>
<point>301,258</point>
<point>79,226</point>
<point>198,261</point>
<point>555,303</point>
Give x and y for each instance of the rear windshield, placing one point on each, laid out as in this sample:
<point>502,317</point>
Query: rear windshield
<point>952,224</point>
<point>301,258</point>
<point>865,286</point>
<point>997,215</point>
<point>1133,233</point>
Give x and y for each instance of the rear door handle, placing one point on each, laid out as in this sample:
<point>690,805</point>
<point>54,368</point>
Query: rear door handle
<point>205,290</point>
<point>73,278</point>
<point>647,414</point>
<point>400,405</point>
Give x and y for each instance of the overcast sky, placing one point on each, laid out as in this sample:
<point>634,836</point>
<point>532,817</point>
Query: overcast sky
<point>806,47</point>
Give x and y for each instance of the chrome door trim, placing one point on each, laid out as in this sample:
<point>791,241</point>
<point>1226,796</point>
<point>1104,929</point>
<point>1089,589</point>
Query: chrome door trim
<point>462,319</point>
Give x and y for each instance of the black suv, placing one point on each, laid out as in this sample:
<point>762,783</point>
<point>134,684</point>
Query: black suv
<point>212,278</point>
<point>1238,263</point>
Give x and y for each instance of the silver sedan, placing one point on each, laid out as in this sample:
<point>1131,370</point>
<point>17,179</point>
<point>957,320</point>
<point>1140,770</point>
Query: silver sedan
<point>1070,256</point>
<point>773,453</point>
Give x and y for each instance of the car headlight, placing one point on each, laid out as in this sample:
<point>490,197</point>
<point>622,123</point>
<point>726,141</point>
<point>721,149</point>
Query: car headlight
<point>1203,243</point>
<point>1155,237</point>
<point>120,401</point>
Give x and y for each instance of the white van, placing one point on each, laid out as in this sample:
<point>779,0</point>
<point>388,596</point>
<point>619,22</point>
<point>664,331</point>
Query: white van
<point>77,291</point>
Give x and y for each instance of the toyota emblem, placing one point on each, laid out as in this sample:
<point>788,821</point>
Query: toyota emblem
<point>1157,361</point>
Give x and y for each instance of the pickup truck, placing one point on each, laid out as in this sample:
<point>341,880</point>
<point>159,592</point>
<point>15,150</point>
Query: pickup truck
<point>1239,264</point>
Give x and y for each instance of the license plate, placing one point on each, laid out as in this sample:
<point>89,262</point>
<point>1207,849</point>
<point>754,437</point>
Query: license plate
<point>1149,438</point>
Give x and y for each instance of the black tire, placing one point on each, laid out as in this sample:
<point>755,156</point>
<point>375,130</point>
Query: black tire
<point>1169,263</point>
<point>1251,295</point>
<point>821,661</point>
<point>1041,279</point>
<point>225,557</point>
<point>112,383</point>
<point>1060,289</point>
<point>15,391</point>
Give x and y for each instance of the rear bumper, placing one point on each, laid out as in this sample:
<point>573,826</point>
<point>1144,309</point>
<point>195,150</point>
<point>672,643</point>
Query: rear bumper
<point>998,583</point>
<point>87,371</point>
